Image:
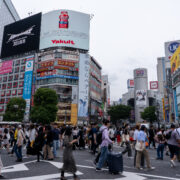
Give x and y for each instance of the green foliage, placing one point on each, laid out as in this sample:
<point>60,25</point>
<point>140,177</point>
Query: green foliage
<point>149,114</point>
<point>15,110</point>
<point>119,112</point>
<point>45,106</point>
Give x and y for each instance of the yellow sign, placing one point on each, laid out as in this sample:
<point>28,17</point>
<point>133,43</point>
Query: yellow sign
<point>74,114</point>
<point>175,60</point>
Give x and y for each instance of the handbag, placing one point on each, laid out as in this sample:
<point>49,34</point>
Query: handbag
<point>139,147</point>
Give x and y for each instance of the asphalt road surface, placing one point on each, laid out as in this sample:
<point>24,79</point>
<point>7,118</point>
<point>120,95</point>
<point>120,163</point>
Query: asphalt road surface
<point>30,169</point>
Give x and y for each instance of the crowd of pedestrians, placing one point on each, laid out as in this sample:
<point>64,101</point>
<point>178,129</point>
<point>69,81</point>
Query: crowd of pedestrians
<point>44,141</point>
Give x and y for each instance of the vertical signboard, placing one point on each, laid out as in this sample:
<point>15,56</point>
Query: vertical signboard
<point>28,84</point>
<point>141,96</point>
<point>83,85</point>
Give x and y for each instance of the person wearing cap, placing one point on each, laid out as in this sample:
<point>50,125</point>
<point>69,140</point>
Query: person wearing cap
<point>19,144</point>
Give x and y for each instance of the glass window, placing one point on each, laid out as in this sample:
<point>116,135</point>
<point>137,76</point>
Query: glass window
<point>21,84</point>
<point>9,85</point>
<point>22,68</point>
<point>5,79</point>
<point>16,69</point>
<point>20,91</point>
<point>22,76</point>
<point>178,90</point>
<point>178,99</point>
<point>14,92</point>
<point>16,77</point>
<point>4,86</point>
<point>15,84</point>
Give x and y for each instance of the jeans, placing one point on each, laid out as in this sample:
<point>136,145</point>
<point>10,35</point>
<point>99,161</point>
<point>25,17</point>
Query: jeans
<point>56,145</point>
<point>18,151</point>
<point>103,157</point>
<point>160,151</point>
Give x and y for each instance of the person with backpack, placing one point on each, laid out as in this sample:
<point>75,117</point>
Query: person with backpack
<point>104,145</point>
<point>173,140</point>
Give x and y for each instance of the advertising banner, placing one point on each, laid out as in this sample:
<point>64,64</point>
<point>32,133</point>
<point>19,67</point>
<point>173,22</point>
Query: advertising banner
<point>153,84</point>
<point>65,28</point>
<point>57,76</point>
<point>28,79</point>
<point>170,48</point>
<point>74,94</point>
<point>130,83</point>
<point>6,67</point>
<point>21,36</point>
<point>141,96</point>
<point>84,65</point>
<point>175,60</point>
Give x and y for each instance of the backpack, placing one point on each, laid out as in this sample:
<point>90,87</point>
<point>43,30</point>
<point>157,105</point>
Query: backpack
<point>168,135</point>
<point>99,137</point>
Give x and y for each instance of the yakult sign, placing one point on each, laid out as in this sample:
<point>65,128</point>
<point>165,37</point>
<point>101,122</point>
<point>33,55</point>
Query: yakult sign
<point>65,28</point>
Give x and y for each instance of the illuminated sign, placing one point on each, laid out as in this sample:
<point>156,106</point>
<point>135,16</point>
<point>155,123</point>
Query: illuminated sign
<point>140,72</point>
<point>173,46</point>
<point>66,63</point>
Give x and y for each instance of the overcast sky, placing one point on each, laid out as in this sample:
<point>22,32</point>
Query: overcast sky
<point>124,34</point>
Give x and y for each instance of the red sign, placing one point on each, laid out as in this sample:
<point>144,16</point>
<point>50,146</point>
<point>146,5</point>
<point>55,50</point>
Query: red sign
<point>153,84</point>
<point>48,73</point>
<point>47,63</point>
<point>130,83</point>
<point>66,63</point>
<point>6,67</point>
<point>63,42</point>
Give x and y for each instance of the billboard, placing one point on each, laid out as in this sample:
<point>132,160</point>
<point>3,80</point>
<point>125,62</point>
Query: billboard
<point>65,28</point>
<point>6,67</point>
<point>84,66</point>
<point>141,96</point>
<point>153,84</point>
<point>175,60</point>
<point>28,79</point>
<point>130,83</point>
<point>21,36</point>
<point>170,48</point>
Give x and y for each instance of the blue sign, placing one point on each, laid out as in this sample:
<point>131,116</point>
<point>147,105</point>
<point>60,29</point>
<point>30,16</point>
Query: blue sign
<point>28,77</point>
<point>173,46</point>
<point>57,76</point>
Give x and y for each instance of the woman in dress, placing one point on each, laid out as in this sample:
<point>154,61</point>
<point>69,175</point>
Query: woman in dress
<point>69,164</point>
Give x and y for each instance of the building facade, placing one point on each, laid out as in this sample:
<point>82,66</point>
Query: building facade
<point>8,14</point>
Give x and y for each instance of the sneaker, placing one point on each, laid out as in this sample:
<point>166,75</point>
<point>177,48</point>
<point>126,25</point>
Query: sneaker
<point>98,169</point>
<point>172,163</point>
<point>139,168</point>
<point>151,168</point>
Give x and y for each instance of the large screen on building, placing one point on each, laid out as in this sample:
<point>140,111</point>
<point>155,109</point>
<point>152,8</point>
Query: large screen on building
<point>65,28</point>
<point>21,36</point>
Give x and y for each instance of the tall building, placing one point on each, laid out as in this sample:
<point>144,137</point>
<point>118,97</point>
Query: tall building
<point>95,101</point>
<point>53,52</point>
<point>8,15</point>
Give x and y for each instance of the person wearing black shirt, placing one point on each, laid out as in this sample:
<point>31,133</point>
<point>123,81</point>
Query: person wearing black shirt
<point>56,141</point>
<point>151,137</point>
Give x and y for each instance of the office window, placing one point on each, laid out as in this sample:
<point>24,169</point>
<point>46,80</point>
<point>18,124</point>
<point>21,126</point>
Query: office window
<point>15,84</point>
<point>3,86</point>
<point>14,92</point>
<point>10,78</point>
<point>5,79</point>
<point>16,77</point>
<point>9,85</point>
<point>21,84</point>
<point>20,91</point>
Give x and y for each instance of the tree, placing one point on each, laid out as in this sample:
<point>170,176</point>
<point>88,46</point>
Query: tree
<point>149,114</point>
<point>45,106</point>
<point>119,112</point>
<point>15,110</point>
